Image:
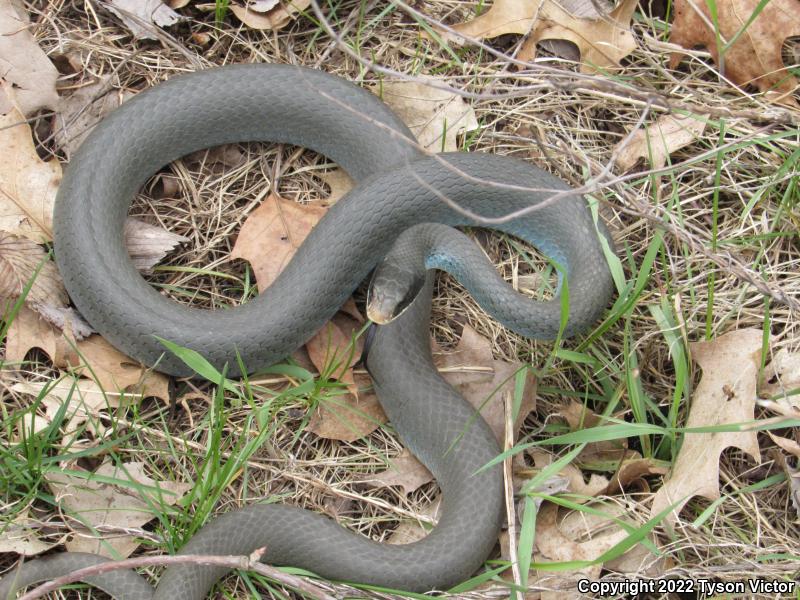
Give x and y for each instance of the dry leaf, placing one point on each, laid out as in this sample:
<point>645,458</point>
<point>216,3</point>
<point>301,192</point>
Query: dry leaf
<point>350,309</point>
<point>148,244</point>
<point>339,182</point>
<point>275,14</point>
<point>24,65</point>
<point>84,397</point>
<point>602,42</point>
<point>409,532</point>
<point>790,446</point>
<point>473,372</point>
<point>84,109</point>
<point>98,360</point>
<point>331,352</point>
<point>755,57</point>
<point>483,381</point>
<point>584,9</point>
<point>792,477</point>
<point>143,17</point>
<point>84,401</point>
<point>562,541</point>
<point>347,418</point>
<point>404,471</point>
<point>28,185</point>
<point>219,158</point>
<point>112,508</point>
<point>112,369</point>
<point>29,330</point>
<point>434,116</point>
<point>19,260</point>
<point>596,485</point>
<point>726,394</point>
<point>272,234</point>
<point>21,536</point>
<point>599,455</point>
<point>660,139</point>
<point>781,377</point>
<point>633,470</point>
<point>67,319</point>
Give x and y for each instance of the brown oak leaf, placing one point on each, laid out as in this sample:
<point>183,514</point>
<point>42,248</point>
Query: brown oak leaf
<point>726,394</point>
<point>602,42</point>
<point>752,55</point>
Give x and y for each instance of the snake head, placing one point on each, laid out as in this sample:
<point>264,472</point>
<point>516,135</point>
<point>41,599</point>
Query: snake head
<point>391,291</point>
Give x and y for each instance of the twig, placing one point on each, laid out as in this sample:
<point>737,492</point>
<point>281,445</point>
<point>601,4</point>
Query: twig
<point>249,563</point>
<point>508,479</point>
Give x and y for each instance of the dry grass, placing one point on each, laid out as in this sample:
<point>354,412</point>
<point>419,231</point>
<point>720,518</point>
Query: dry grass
<point>572,133</point>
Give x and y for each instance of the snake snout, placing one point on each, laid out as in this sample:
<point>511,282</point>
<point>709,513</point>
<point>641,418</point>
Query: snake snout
<point>391,291</point>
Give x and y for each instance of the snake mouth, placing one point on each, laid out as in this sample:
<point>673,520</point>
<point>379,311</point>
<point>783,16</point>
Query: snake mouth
<point>378,312</point>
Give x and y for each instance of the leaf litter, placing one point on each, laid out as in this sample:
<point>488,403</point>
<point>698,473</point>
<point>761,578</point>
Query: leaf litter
<point>602,42</point>
<point>656,142</point>
<point>28,187</point>
<point>144,17</point>
<point>29,75</point>
<point>112,499</point>
<point>748,52</point>
<point>268,14</point>
<point>92,357</point>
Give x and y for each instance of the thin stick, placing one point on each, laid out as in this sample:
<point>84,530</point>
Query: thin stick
<point>248,563</point>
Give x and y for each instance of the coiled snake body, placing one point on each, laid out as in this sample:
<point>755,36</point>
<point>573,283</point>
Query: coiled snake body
<point>398,187</point>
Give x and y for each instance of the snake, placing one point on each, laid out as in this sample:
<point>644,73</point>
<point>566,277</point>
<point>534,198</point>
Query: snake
<point>397,223</point>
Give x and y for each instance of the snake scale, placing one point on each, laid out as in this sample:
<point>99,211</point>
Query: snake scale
<point>398,201</point>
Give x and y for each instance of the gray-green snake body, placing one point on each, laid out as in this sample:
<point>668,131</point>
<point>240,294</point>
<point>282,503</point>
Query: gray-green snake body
<point>398,187</point>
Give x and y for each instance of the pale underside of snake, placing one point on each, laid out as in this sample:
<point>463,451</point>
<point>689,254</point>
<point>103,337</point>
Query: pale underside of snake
<point>399,200</point>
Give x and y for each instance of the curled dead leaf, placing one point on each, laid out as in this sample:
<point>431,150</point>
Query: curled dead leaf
<point>657,141</point>
<point>148,244</point>
<point>24,264</point>
<point>339,183</point>
<point>144,17</point>
<point>781,379</point>
<point>20,261</point>
<point>269,14</point>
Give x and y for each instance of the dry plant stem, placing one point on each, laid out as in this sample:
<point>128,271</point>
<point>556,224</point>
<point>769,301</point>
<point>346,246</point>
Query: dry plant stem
<point>248,563</point>
<point>508,477</point>
<point>726,261</point>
